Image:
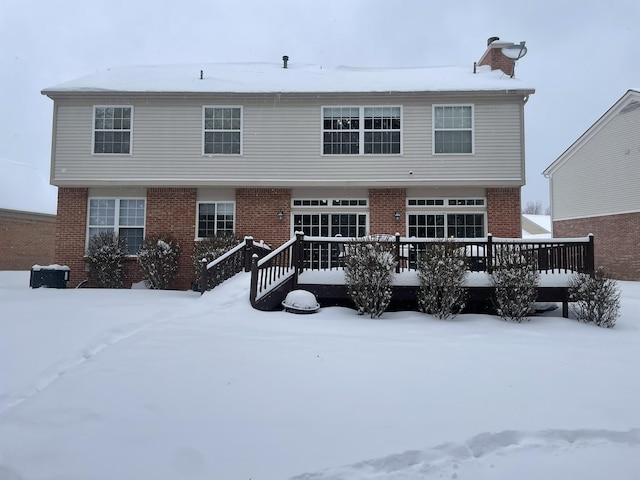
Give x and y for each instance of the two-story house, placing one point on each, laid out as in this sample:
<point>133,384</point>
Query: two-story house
<point>269,149</point>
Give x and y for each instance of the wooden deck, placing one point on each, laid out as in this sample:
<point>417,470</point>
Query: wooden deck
<point>316,264</point>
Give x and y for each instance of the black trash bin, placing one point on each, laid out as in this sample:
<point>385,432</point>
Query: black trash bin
<point>52,276</point>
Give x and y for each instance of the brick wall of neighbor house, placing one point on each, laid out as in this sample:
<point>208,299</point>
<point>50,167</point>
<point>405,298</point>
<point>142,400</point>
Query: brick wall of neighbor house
<point>503,212</point>
<point>617,248</point>
<point>383,204</point>
<point>71,231</point>
<point>173,211</point>
<point>257,214</point>
<point>26,239</point>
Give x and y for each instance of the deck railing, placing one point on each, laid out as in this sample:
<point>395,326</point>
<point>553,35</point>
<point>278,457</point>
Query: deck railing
<point>303,253</point>
<point>228,264</point>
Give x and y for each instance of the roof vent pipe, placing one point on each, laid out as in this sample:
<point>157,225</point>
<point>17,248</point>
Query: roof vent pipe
<point>490,40</point>
<point>285,59</point>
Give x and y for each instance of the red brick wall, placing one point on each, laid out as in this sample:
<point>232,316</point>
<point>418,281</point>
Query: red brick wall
<point>71,231</point>
<point>173,211</point>
<point>497,61</point>
<point>383,204</point>
<point>504,212</point>
<point>26,239</point>
<point>616,241</point>
<point>257,214</point>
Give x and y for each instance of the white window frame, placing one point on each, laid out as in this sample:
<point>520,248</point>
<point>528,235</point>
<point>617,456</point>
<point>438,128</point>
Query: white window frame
<point>448,206</point>
<point>361,130</point>
<point>116,219</point>
<point>94,130</point>
<point>216,202</point>
<point>205,130</point>
<point>472,129</point>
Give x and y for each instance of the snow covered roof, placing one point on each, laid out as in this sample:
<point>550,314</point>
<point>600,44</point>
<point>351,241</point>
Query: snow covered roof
<point>536,226</point>
<point>272,77</point>
<point>24,188</point>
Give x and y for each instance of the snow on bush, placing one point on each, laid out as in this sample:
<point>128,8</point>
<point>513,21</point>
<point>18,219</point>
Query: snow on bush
<point>595,298</point>
<point>211,248</point>
<point>516,283</point>
<point>442,270</point>
<point>158,260</point>
<point>368,271</point>
<point>106,254</point>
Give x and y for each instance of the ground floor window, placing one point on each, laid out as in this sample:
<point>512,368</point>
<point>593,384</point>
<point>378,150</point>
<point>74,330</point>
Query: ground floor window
<point>215,218</point>
<point>124,216</point>
<point>441,225</point>
<point>319,256</point>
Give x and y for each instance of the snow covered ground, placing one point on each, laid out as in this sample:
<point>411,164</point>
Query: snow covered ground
<point>132,384</point>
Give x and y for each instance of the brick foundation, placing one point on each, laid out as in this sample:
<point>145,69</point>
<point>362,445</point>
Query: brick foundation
<point>504,212</point>
<point>27,239</point>
<point>173,211</point>
<point>617,248</point>
<point>257,214</point>
<point>383,204</point>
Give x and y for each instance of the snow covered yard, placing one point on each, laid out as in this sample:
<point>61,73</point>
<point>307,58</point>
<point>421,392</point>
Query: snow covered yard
<point>130,384</point>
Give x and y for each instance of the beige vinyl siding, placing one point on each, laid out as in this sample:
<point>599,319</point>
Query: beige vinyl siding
<point>602,177</point>
<point>282,141</point>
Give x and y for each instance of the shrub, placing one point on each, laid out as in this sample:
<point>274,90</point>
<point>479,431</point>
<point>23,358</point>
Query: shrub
<point>516,283</point>
<point>595,298</point>
<point>211,248</point>
<point>106,253</point>
<point>368,270</point>
<point>442,270</point>
<point>158,260</point>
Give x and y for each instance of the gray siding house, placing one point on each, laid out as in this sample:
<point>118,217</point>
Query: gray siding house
<point>269,149</point>
<point>595,188</point>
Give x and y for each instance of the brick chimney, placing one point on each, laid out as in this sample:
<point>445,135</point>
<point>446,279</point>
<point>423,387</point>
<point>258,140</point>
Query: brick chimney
<point>495,58</point>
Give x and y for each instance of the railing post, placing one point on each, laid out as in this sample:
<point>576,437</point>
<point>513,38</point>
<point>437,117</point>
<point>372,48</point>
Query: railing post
<point>204,276</point>
<point>248,253</point>
<point>298,257</point>
<point>397,247</point>
<point>253,292</point>
<point>489,254</point>
<point>591,256</point>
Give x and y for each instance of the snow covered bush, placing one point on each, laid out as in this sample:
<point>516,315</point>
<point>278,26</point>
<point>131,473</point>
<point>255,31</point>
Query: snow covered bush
<point>368,271</point>
<point>442,270</point>
<point>158,260</point>
<point>211,248</point>
<point>595,298</point>
<point>106,254</point>
<point>515,280</point>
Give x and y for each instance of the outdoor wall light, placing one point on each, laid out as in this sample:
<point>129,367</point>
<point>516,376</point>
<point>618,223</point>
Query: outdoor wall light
<point>397,216</point>
<point>280,215</point>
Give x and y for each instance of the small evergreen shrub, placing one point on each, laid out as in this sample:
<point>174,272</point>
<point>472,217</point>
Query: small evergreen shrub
<point>595,298</point>
<point>442,271</point>
<point>106,254</point>
<point>368,271</point>
<point>158,260</point>
<point>516,283</point>
<point>211,248</point>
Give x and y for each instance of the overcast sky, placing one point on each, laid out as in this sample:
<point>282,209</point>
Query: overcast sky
<point>582,56</point>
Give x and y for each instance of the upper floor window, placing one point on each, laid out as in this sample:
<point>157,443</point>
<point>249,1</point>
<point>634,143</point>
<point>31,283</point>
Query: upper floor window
<point>452,129</point>
<point>222,130</point>
<point>124,216</point>
<point>361,130</point>
<point>112,130</point>
<point>215,218</point>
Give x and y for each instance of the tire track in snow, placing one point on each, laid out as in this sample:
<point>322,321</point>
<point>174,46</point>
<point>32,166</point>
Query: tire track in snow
<point>437,460</point>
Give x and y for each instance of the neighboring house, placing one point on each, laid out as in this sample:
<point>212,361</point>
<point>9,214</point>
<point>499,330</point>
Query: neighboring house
<point>27,217</point>
<point>536,226</point>
<point>269,149</point>
<point>594,188</point>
